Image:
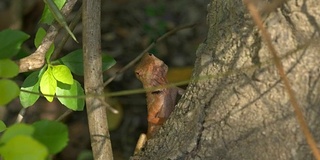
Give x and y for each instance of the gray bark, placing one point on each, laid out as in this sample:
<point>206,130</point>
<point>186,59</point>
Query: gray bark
<point>236,106</point>
<point>93,81</point>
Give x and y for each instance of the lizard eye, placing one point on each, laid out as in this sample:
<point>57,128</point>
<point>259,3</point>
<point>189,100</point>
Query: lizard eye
<point>156,92</point>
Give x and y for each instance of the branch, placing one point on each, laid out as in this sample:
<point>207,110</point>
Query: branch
<point>36,60</point>
<point>93,82</point>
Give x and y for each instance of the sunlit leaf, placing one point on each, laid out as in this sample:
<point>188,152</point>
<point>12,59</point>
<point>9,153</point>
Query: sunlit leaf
<point>52,134</point>
<point>23,147</point>
<point>62,74</point>
<point>75,89</point>
<point>11,41</point>
<point>15,130</point>
<point>48,84</point>
<point>8,91</point>
<point>8,68</point>
<point>74,61</point>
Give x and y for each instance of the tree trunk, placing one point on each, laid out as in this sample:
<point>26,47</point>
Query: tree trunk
<point>236,106</point>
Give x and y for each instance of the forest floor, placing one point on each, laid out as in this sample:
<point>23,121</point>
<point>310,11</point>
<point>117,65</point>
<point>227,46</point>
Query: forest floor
<point>128,27</point>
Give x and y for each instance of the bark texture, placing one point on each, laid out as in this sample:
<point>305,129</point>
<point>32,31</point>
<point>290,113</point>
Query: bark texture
<point>236,106</point>
<point>93,81</point>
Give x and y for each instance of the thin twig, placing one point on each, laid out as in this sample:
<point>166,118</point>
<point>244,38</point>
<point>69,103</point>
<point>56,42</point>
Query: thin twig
<point>299,116</point>
<point>130,64</point>
<point>64,115</point>
<point>104,103</point>
<point>21,115</point>
<point>72,25</point>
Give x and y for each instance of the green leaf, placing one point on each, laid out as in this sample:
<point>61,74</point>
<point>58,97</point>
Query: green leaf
<point>41,33</point>
<point>2,126</point>
<point>85,155</point>
<point>47,16</point>
<point>8,68</point>
<point>11,41</point>
<point>58,16</point>
<point>23,52</point>
<point>23,148</point>
<point>8,91</point>
<point>74,61</point>
<point>15,130</point>
<point>62,74</point>
<point>49,53</point>
<point>48,84</point>
<point>107,62</point>
<point>39,37</point>
<point>31,83</point>
<point>114,119</point>
<point>52,134</point>
<point>75,89</point>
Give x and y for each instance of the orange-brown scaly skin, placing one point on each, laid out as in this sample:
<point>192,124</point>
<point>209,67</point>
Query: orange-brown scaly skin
<point>152,72</point>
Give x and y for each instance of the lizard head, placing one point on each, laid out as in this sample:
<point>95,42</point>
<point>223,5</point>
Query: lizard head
<point>151,70</point>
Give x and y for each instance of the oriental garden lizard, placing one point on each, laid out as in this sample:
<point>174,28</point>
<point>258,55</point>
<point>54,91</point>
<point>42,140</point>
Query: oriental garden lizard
<point>161,99</point>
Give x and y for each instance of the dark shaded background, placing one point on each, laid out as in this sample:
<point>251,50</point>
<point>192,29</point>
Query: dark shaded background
<point>127,28</point>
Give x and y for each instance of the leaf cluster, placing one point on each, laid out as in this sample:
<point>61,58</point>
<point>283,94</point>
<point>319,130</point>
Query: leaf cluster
<point>54,79</point>
<point>11,42</point>
<point>36,141</point>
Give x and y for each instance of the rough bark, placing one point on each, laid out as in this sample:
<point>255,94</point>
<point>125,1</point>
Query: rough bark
<point>236,106</point>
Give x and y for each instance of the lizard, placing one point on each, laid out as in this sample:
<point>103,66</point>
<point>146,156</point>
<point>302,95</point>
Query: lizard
<point>152,72</point>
